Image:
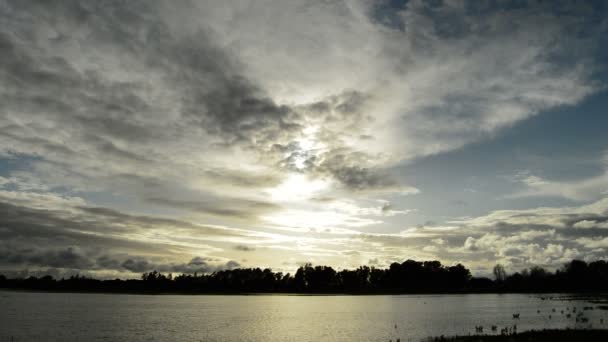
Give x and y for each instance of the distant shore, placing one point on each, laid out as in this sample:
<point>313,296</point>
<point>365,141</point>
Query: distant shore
<point>592,297</point>
<point>553,335</point>
<point>409,277</point>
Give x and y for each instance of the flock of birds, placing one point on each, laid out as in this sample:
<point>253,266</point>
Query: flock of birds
<point>512,330</point>
<point>509,330</point>
<point>579,317</point>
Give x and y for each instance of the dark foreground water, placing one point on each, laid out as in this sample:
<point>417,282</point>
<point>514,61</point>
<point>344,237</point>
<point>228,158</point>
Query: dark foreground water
<point>28,316</point>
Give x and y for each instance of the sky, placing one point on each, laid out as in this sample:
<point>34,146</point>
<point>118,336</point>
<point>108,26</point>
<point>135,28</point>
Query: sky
<point>195,136</point>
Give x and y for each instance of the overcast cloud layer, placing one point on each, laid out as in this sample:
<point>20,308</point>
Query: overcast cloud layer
<point>192,136</point>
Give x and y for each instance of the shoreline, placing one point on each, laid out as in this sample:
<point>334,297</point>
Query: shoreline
<point>549,335</point>
<point>587,296</point>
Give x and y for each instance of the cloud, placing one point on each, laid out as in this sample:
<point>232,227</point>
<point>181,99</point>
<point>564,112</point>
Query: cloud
<point>594,243</point>
<point>79,97</point>
<point>196,265</point>
<point>98,240</point>
<point>50,231</point>
<point>62,258</point>
<point>545,236</point>
<point>117,127</point>
<point>244,248</point>
<point>578,190</point>
<point>239,114</point>
<point>70,259</point>
<point>427,88</point>
<point>361,179</point>
<point>235,208</point>
<point>381,208</point>
<point>240,179</point>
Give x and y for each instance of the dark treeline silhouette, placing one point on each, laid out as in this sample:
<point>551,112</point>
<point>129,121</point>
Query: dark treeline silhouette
<point>407,277</point>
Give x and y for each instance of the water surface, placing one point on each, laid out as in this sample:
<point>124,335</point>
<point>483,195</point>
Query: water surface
<point>28,316</point>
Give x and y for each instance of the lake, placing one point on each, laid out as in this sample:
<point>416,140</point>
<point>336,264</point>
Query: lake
<point>28,316</point>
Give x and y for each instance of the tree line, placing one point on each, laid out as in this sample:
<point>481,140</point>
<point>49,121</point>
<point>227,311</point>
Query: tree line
<point>408,277</point>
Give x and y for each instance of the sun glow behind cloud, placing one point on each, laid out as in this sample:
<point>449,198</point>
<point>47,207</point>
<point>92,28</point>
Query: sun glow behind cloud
<point>319,220</point>
<point>297,188</point>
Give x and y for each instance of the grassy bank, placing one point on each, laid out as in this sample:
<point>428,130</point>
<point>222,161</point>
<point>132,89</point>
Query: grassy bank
<point>538,335</point>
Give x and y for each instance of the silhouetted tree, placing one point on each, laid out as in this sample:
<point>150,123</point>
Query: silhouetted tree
<point>407,277</point>
<point>499,273</point>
